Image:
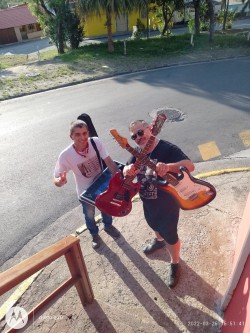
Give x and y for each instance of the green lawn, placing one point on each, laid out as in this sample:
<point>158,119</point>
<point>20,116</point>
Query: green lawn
<point>157,46</point>
<point>137,49</point>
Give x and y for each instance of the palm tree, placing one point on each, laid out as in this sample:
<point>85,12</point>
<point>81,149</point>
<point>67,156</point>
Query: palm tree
<point>197,4</point>
<point>224,6</point>
<point>211,19</point>
<point>116,7</point>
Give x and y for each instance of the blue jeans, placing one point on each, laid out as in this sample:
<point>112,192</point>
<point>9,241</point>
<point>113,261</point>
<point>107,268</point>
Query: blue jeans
<point>89,214</point>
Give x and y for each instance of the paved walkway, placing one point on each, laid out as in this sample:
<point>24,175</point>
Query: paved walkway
<point>129,287</point>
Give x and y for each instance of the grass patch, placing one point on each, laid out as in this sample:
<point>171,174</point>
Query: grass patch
<point>48,55</point>
<point>12,60</point>
<point>137,49</point>
<point>153,47</point>
<point>7,61</point>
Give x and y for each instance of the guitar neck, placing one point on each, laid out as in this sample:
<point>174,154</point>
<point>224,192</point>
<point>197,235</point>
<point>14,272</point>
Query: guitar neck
<point>142,158</point>
<point>143,155</point>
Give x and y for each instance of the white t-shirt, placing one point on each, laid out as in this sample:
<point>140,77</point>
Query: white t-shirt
<point>85,169</point>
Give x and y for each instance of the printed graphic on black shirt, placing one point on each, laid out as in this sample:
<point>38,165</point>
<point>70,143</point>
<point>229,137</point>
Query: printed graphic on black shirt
<point>146,178</point>
<point>90,168</point>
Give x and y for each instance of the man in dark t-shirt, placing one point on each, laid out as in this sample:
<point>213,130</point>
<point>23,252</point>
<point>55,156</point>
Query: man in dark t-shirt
<point>161,210</point>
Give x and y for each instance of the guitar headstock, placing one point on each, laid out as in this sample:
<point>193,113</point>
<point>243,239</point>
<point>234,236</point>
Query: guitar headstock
<point>158,123</point>
<point>123,142</point>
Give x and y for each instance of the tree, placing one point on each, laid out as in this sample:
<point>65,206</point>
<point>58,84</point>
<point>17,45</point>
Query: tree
<point>164,10</point>
<point>10,3</point>
<point>197,4</point>
<point>204,17</point>
<point>73,27</point>
<point>224,7</point>
<point>211,19</point>
<point>59,21</point>
<point>109,7</point>
<point>3,4</point>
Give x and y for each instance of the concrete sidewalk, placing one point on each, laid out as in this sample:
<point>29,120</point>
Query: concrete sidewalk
<point>129,287</point>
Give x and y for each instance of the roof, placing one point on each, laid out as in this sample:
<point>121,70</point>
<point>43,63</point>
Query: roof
<point>16,16</point>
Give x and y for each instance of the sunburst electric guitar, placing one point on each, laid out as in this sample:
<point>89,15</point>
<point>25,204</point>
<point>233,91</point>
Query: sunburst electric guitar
<point>190,192</point>
<point>117,199</point>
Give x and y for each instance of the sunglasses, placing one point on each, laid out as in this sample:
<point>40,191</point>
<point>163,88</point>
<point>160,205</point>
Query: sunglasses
<point>139,133</point>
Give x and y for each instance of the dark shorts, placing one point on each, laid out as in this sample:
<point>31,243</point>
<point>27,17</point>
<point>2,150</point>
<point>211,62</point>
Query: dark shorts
<point>162,215</point>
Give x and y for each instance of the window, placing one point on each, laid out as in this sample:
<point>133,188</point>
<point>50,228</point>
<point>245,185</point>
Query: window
<point>31,27</point>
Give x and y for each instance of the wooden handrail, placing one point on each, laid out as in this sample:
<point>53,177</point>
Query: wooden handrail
<point>26,268</point>
<point>70,248</point>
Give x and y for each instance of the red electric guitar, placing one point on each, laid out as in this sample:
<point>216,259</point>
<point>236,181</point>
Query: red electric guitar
<point>117,199</point>
<point>190,192</point>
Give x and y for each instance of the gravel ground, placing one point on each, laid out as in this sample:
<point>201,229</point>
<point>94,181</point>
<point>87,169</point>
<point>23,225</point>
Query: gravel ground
<point>37,76</point>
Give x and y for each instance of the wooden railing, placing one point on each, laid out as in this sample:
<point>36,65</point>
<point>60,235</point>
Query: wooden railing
<point>70,248</point>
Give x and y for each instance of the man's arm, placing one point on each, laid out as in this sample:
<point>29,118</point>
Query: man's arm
<point>113,168</point>
<point>162,168</point>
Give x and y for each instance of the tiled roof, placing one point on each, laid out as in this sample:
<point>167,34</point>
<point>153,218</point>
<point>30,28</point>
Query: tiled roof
<point>16,16</point>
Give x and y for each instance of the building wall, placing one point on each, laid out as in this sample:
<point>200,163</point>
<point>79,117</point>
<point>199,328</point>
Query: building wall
<point>237,314</point>
<point>236,301</point>
<point>18,34</point>
<point>95,25</point>
<point>35,34</point>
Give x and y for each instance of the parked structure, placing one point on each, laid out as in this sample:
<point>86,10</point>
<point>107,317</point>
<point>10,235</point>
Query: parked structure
<point>18,24</point>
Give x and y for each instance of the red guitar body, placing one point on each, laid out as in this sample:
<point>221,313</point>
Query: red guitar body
<point>116,200</point>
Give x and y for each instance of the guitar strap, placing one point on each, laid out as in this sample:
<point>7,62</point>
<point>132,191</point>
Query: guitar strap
<point>97,153</point>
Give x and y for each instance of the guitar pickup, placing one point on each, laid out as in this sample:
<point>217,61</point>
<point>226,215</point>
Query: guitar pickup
<point>193,196</point>
<point>209,193</point>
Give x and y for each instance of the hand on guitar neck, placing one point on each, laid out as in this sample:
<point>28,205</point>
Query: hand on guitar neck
<point>162,169</point>
<point>130,171</point>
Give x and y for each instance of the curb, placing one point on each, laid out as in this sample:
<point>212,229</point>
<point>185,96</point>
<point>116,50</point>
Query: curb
<point>221,172</point>
<point>114,75</point>
<point>17,294</point>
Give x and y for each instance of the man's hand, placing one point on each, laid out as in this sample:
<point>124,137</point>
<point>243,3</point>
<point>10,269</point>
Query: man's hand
<point>61,180</point>
<point>161,169</point>
<point>130,171</point>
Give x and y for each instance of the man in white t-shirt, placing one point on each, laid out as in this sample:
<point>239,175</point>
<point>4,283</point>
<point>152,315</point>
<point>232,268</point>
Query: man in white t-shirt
<point>81,158</point>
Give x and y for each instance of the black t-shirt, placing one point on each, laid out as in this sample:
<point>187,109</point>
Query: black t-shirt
<point>165,152</point>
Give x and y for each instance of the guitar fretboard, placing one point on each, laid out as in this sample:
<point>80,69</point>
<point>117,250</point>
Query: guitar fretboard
<point>141,156</point>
